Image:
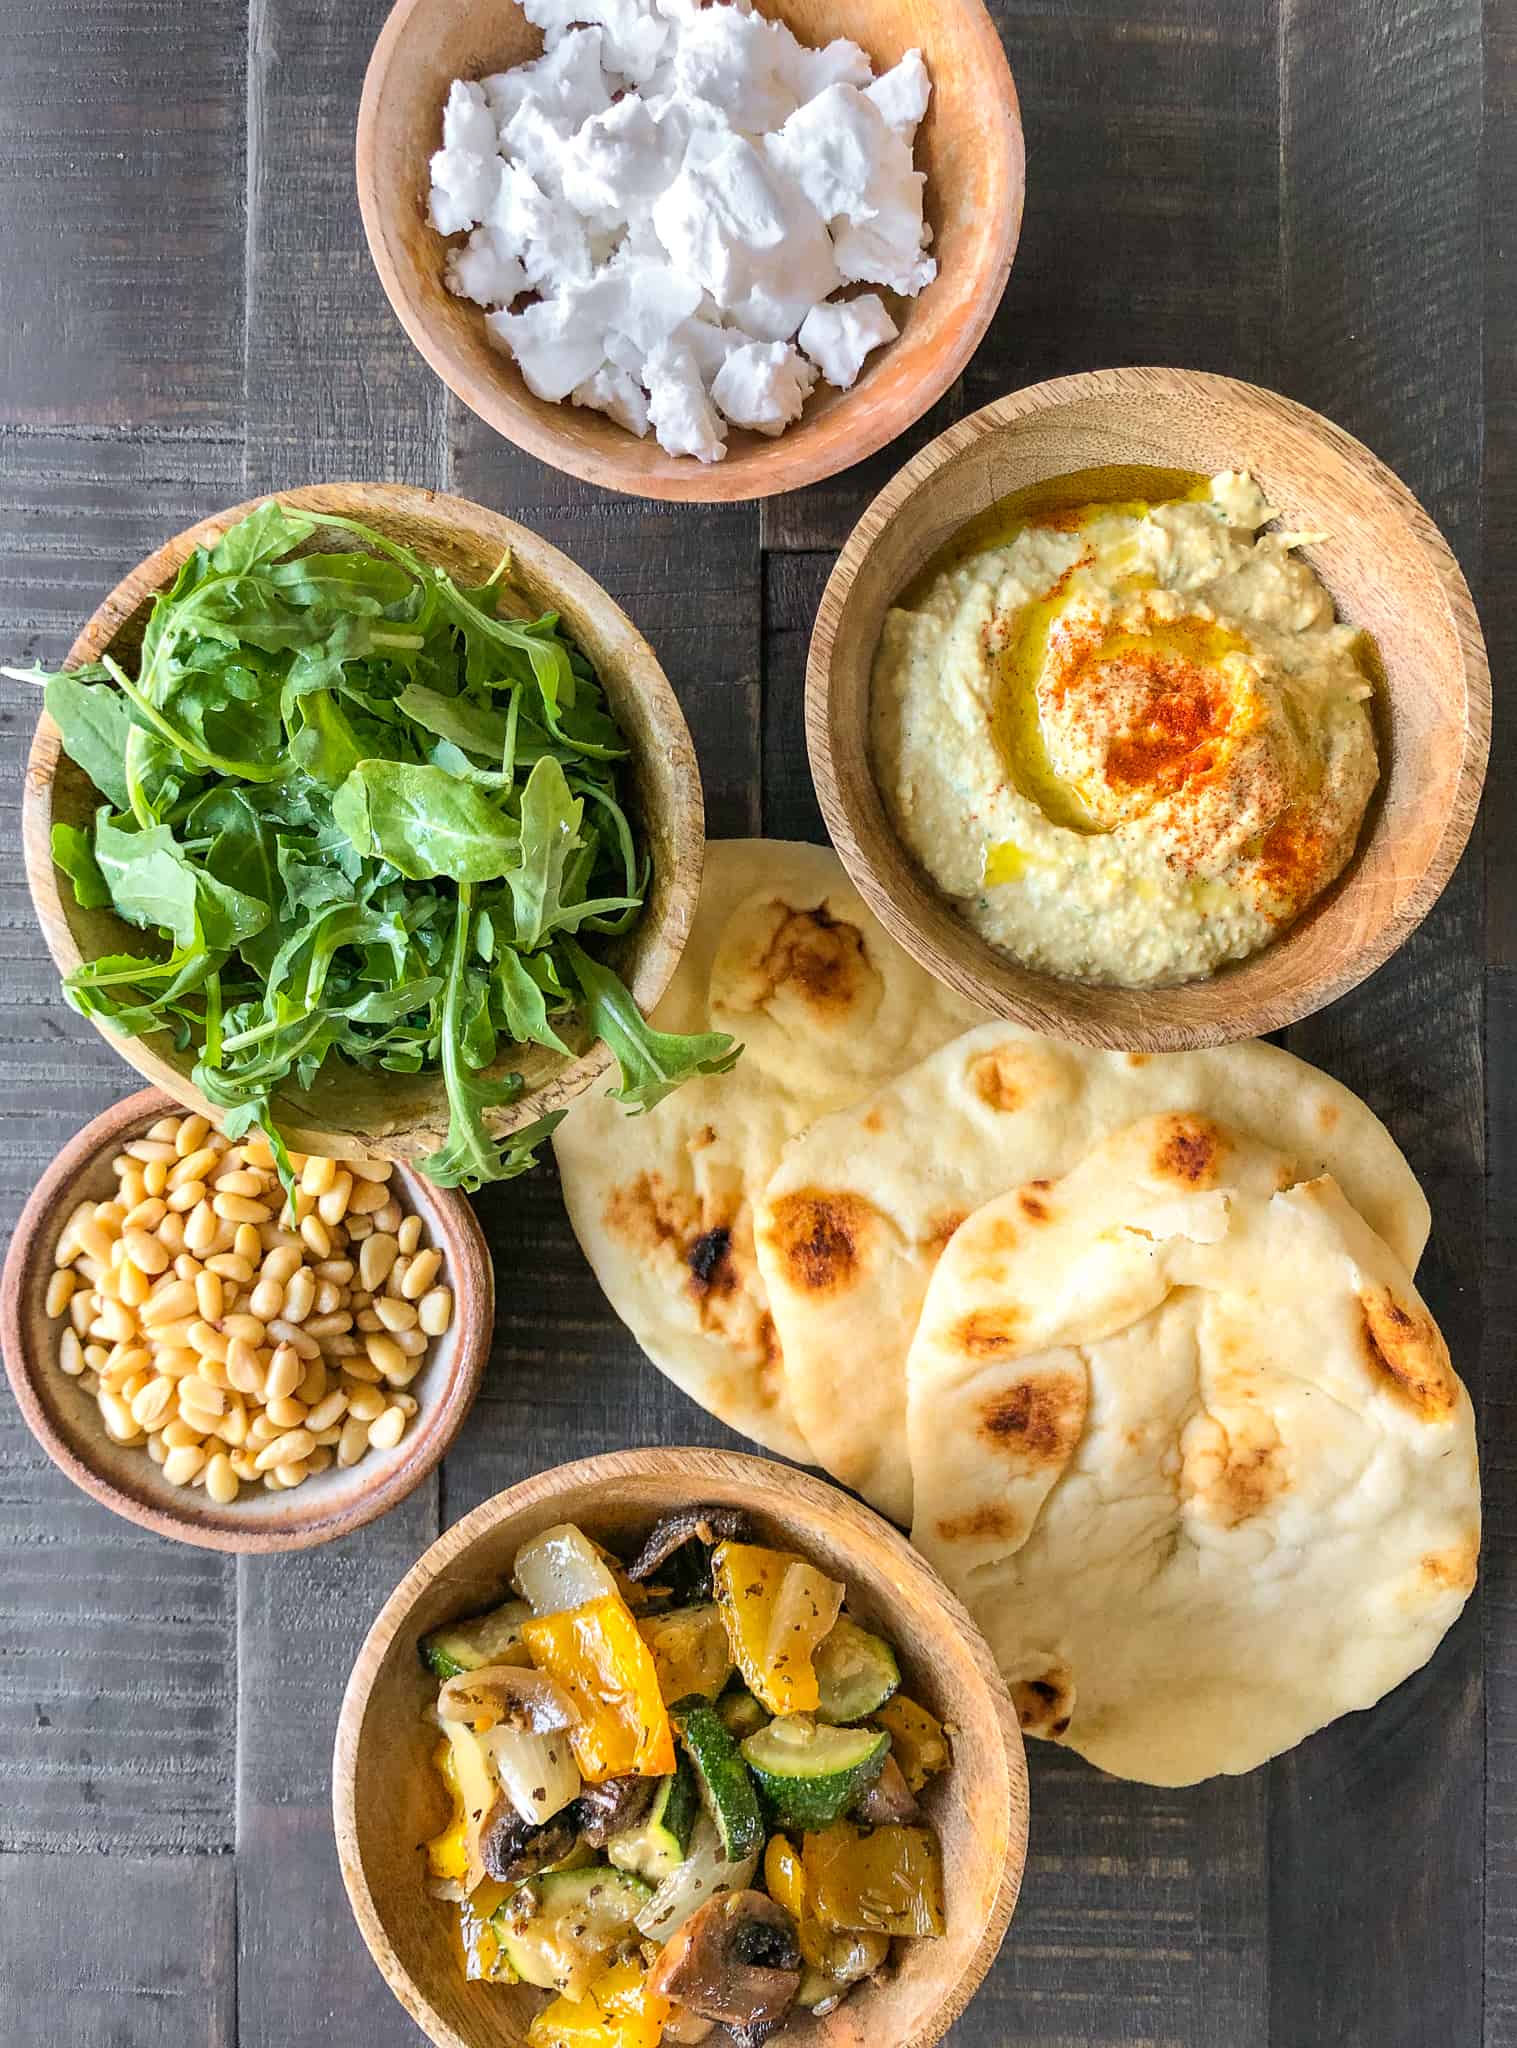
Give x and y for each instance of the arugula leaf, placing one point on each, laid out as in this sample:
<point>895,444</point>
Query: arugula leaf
<point>653,1063</point>
<point>425,822</point>
<point>73,853</point>
<point>269,530</point>
<point>472,728</point>
<point>93,720</point>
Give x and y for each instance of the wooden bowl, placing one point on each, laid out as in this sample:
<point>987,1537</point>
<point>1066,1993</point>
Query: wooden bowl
<point>1389,570</point>
<point>386,1798</point>
<point>970,146</point>
<point>66,1421</point>
<point>399,1116</point>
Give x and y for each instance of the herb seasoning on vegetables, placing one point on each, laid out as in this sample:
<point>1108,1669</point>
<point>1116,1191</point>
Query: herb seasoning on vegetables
<point>675,1811</point>
<point>370,820</point>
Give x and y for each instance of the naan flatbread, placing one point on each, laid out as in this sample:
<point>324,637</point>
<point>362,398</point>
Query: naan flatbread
<point>1189,1446</point>
<point>860,1208</point>
<point>785,955</point>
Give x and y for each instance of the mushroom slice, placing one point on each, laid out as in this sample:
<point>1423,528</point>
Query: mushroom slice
<point>604,1810</point>
<point>737,1960</point>
<point>512,1849</point>
<point>704,1525</point>
<point>889,1799</point>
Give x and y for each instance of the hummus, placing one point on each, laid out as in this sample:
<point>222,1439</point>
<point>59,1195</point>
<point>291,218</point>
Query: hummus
<point>1130,739</point>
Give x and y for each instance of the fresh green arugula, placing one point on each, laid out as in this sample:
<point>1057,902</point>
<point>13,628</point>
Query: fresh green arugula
<point>368,820</point>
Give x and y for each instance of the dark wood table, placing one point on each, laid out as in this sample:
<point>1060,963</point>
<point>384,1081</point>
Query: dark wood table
<point>1316,194</point>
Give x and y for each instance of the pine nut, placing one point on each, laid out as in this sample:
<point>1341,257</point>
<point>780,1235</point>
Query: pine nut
<point>251,1329</point>
<point>413,1343</point>
<point>390,1217</point>
<point>247,1244</point>
<point>145,1252</point>
<point>196,1392</point>
<point>267,1299</point>
<point>420,1274</point>
<point>209,1297</point>
<point>171,1231</point>
<point>293,1444</point>
<point>169,1304</point>
<point>387,1432</point>
<point>227,1266</point>
<point>91,1237</point>
<point>243,1366</point>
<point>190,1169</point>
<point>329,1297</point>
<point>364,1401</point>
<point>152,1404</point>
<point>285,1374</point>
<point>132,1285</point>
<point>71,1354</point>
<point>187,1267</point>
<point>435,1311</point>
<point>185,1197</point>
<point>240,1182</point>
<point>152,1151</point>
<point>408,1236</point>
<point>333,1205</point>
<point>313,1383</point>
<point>120,1423</point>
<point>282,1264</point>
<point>181,1466</point>
<point>317,1236</point>
<point>353,1442</point>
<point>221,1482</point>
<point>407,1404</point>
<point>256,1151</point>
<point>378,1170</point>
<point>336,1325</point>
<point>339,1271</point>
<point>327,1411</point>
<point>157,1450</point>
<point>239,1209</point>
<point>191,1134</point>
<point>202,1229</point>
<point>292,1472</point>
<point>357,1227</point>
<point>116,1323</point>
<point>155,1176</point>
<point>395,1315</point>
<point>286,1413</point>
<point>241,1462</point>
<point>261,1431</point>
<point>147,1215</point>
<point>367,1196</point>
<point>81,1310</point>
<point>211,1343</point>
<point>233,1426</point>
<point>362,1368</point>
<point>385,1353</point>
<point>367,1319</point>
<point>299,1295</point>
<point>318,1174</point>
<point>295,1337</point>
<point>319,1461</point>
<point>60,1291</point>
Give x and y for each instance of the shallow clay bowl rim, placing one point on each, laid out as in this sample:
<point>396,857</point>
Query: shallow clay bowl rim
<point>691,1473</point>
<point>442,1407</point>
<point>756,467</point>
<point>665,925</point>
<point>1187,1016</point>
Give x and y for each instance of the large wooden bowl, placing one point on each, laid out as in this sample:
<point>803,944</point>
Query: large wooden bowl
<point>1389,570</point>
<point>66,1420</point>
<point>386,1797</point>
<point>970,147</point>
<point>397,1116</point>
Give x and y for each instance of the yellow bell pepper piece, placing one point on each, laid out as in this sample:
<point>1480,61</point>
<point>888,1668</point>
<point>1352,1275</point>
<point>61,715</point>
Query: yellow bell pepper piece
<point>596,1654</point>
<point>485,1961</point>
<point>776,1608</point>
<point>448,1852</point>
<point>785,1877</point>
<point>886,1881</point>
<point>917,1741</point>
<point>690,1652</point>
<point>618,2011</point>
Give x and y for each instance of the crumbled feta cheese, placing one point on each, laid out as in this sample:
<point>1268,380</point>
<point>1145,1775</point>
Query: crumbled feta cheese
<point>683,416</point>
<point>634,35</point>
<point>684,186</point>
<point>567,81</point>
<point>488,269</point>
<point>763,386</point>
<point>902,94</point>
<point>740,63</point>
<point>467,122</point>
<point>618,160</point>
<point>556,343</point>
<point>464,186</point>
<point>617,393</point>
<point>751,237</point>
<point>840,334</point>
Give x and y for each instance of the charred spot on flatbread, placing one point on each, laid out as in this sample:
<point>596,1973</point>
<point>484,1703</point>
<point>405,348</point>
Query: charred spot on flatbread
<point>941,1227</point>
<point>1453,1571</point>
<point>987,1332</point>
<point>1228,1482</point>
<point>709,1258</point>
<point>822,1237</point>
<point>1038,1420</point>
<point>1045,1706</point>
<point>1189,1149</point>
<point>994,1522</point>
<point>1407,1355</point>
<point>650,1215</point>
<point>1031,1203</point>
<point>811,955</point>
<point>1012,1075</point>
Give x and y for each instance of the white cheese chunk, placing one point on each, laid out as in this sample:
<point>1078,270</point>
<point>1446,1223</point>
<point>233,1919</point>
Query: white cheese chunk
<point>544,232</point>
<point>838,336</point>
<point>617,393</point>
<point>464,185</point>
<point>763,386</point>
<point>683,416</point>
<point>902,94</point>
<point>634,36</point>
<point>567,81</point>
<point>740,63</point>
<point>618,161</point>
<point>556,343</point>
<point>487,270</point>
<point>833,148</point>
<point>839,63</point>
<point>750,236</point>
<point>467,122</point>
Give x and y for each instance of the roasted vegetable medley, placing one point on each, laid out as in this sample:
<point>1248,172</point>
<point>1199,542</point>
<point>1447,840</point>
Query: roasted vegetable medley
<point>685,1788</point>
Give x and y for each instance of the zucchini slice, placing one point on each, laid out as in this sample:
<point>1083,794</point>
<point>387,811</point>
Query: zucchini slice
<point>808,1772</point>
<point>726,1788</point>
<point>469,1645</point>
<point>657,1847</point>
<point>557,1930</point>
<point>856,1672</point>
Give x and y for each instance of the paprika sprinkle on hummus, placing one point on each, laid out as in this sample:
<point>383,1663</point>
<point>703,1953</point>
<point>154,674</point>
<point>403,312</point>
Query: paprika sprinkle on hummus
<point>1127,733</point>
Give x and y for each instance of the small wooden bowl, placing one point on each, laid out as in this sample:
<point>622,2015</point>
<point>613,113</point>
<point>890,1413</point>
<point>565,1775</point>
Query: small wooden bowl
<point>1389,570</point>
<point>66,1421</point>
<point>399,1116</point>
<point>970,147</point>
<point>386,1798</point>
